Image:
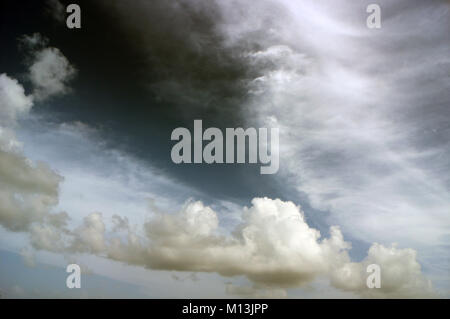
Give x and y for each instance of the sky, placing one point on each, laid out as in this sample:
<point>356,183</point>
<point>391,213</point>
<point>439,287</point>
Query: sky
<point>86,174</point>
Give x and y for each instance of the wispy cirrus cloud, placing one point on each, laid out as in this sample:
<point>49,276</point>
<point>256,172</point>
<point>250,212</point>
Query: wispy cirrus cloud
<point>363,114</point>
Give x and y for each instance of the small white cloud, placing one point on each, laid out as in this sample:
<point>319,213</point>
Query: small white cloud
<point>49,70</point>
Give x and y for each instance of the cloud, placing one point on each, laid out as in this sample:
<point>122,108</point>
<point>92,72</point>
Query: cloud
<point>255,292</point>
<point>46,237</point>
<point>90,236</point>
<point>191,69</point>
<point>49,70</point>
<point>18,291</point>
<point>273,247</point>
<point>345,154</point>
<point>50,73</point>
<point>363,115</point>
<point>13,103</point>
<point>27,190</point>
<point>401,274</point>
<point>28,257</point>
<point>13,100</point>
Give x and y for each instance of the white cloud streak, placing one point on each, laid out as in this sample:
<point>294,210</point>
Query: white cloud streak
<point>49,70</point>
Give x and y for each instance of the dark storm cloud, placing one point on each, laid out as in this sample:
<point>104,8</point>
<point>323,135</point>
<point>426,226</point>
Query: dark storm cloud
<point>144,69</point>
